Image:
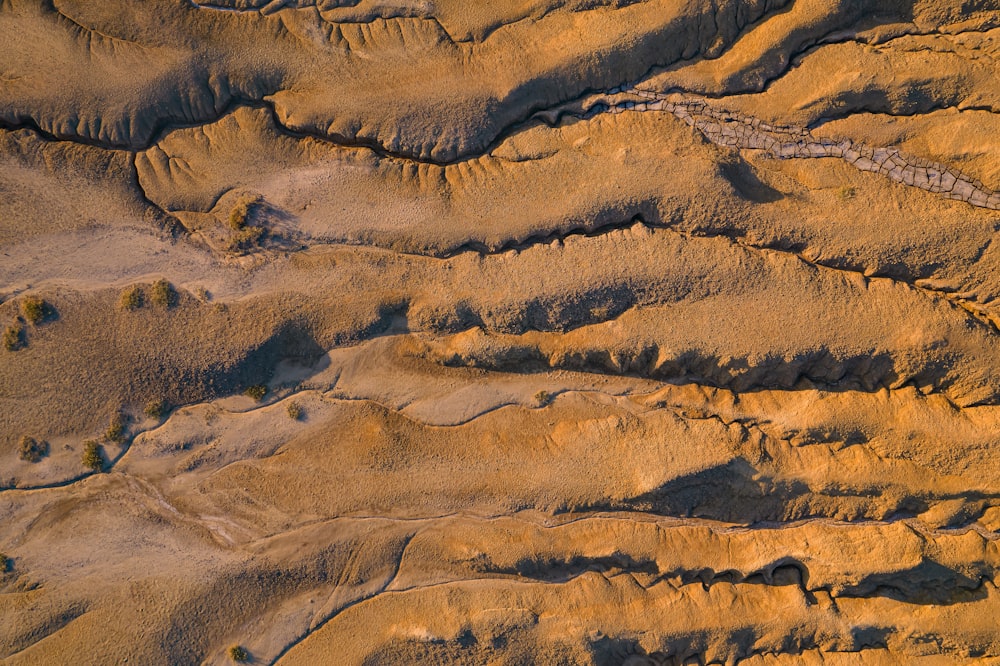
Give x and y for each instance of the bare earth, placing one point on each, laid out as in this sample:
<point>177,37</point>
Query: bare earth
<point>611,332</point>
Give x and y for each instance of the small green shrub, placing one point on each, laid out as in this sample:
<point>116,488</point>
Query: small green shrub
<point>162,294</point>
<point>93,456</point>
<point>294,411</point>
<point>239,654</point>
<point>257,392</point>
<point>132,298</point>
<point>542,397</point>
<point>13,337</point>
<point>34,309</point>
<point>155,409</point>
<point>31,450</point>
<point>116,429</point>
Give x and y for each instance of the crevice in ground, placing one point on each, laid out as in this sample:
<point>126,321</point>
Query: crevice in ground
<point>718,126</point>
<point>783,572</point>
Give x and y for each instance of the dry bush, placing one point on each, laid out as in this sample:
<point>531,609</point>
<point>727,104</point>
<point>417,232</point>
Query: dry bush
<point>31,450</point>
<point>257,392</point>
<point>294,411</point>
<point>13,337</point>
<point>93,456</point>
<point>131,298</point>
<point>239,654</point>
<point>542,397</point>
<point>245,239</point>
<point>34,309</point>
<point>163,294</point>
<point>116,429</point>
<point>4,563</point>
<point>155,409</point>
<point>241,212</point>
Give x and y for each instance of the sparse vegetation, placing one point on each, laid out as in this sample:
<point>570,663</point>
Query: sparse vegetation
<point>846,192</point>
<point>163,294</point>
<point>132,298</point>
<point>245,235</point>
<point>542,397</point>
<point>600,313</point>
<point>294,411</point>
<point>238,217</point>
<point>116,429</point>
<point>239,654</point>
<point>245,238</point>
<point>93,456</point>
<point>32,450</point>
<point>241,212</point>
<point>257,392</point>
<point>4,563</point>
<point>13,337</point>
<point>155,409</point>
<point>34,309</point>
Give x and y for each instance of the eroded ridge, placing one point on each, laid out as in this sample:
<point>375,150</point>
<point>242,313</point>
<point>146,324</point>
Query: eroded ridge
<point>734,130</point>
<point>327,340</point>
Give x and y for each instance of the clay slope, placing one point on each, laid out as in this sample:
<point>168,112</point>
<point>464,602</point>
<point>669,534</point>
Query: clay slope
<point>611,332</point>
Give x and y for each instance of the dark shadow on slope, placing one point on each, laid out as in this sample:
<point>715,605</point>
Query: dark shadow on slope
<point>747,184</point>
<point>738,492</point>
<point>735,492</point>
<point>560,570</point>
<point>813,369</point>
<point>928,583</point>
<point>293,341</point>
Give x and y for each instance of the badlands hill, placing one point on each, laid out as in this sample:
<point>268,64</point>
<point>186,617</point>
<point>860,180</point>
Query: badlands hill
<point>584,332</point>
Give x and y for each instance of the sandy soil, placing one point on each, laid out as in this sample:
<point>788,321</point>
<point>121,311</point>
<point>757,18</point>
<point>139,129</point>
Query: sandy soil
<point>605,332</point>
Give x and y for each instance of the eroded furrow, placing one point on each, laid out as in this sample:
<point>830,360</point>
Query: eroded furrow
<point>787,142</point>
<point>583,332</point>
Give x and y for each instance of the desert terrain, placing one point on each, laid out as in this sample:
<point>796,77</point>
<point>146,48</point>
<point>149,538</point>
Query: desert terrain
<point>556,332</point>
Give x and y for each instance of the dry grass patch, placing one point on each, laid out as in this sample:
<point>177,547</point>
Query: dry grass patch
<point>32,450</point>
